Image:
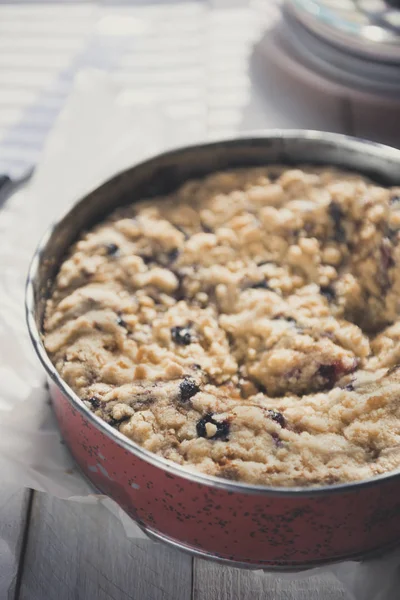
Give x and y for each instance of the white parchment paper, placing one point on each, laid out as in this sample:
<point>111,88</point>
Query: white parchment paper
<point>97,134</point>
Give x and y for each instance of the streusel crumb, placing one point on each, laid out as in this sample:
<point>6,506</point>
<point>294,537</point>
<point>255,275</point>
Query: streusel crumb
<point>246,326</point>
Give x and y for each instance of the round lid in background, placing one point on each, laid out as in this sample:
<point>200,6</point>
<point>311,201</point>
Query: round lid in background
<point>355,42</point>
<point>367,28</point>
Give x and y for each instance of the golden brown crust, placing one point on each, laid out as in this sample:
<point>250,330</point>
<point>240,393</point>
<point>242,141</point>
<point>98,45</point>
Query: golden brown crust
<point>245,326</point>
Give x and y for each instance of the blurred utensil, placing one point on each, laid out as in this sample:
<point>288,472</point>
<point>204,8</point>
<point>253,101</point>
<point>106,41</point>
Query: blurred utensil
<point>9,185</point>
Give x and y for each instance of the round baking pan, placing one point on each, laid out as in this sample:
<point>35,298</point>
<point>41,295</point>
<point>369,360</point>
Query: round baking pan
<point>245,525</point>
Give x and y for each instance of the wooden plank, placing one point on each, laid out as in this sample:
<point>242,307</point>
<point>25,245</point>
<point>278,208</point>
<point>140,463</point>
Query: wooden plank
<point>13,510</point>
<point>80,551</point>
<point>211,581</point>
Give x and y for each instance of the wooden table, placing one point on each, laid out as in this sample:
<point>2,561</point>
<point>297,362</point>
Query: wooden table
<point>52,549</point>
<point>70,551</point>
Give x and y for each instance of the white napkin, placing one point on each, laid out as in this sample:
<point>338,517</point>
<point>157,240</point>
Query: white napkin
<point>96,135</point>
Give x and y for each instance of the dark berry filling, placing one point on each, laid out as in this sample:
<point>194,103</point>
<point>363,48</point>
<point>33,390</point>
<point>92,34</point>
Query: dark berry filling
<point>328,292</point>
<point>166,260</point>
<point>276,439</point>
<point>147,258</point>
<point>277,417</point>
<point>163,259</point>
<point>181,335</point>
<point>113,422</point>
<point>111,249</point>
<point>328,373</point>
<point>282,318</point>
<point>332,372</point>
<point>121,322</point>
<point>95,402</point>
<point>222,432</point>
<point>337,215</point>
<point>173,255</point>
<point>187,389</point>
<point>180,293</point>
<point>262,285</point>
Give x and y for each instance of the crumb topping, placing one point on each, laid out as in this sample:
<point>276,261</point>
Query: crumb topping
<point>246,326</point>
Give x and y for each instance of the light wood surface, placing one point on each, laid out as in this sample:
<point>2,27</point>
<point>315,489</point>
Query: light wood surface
<point>211,582</point>
<point>52,549</point>
<point>14,504</point>
<point>80,552</point>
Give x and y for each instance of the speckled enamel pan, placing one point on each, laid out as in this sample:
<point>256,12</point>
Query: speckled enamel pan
<point>252,526</point>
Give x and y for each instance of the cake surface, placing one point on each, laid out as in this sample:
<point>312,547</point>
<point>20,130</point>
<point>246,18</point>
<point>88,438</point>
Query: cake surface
<point>246,326</point>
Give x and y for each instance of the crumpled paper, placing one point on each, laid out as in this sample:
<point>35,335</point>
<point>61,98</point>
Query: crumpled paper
<point>96,135</point>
